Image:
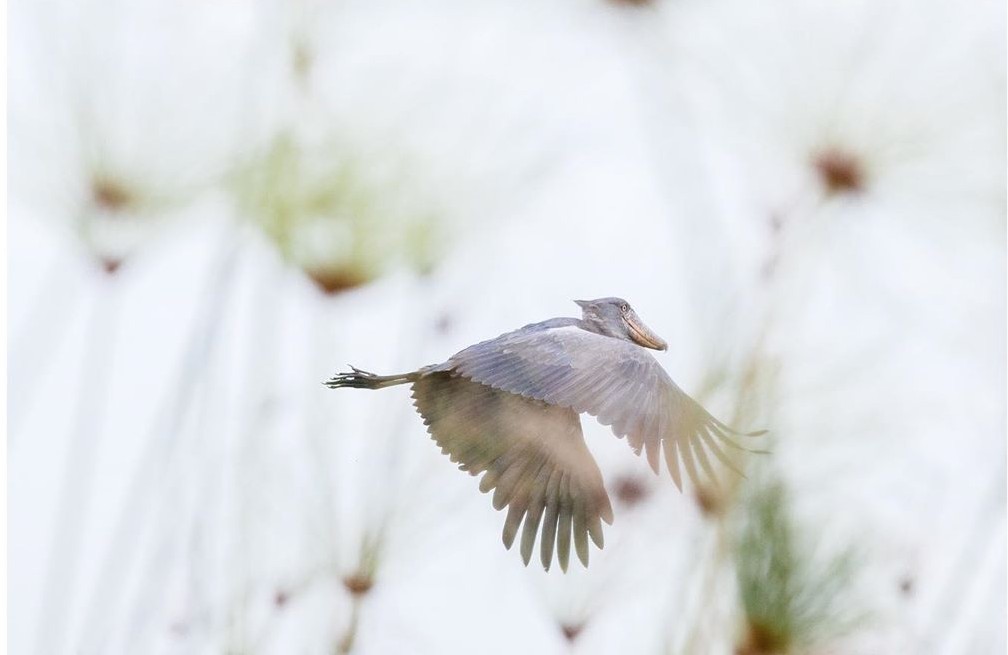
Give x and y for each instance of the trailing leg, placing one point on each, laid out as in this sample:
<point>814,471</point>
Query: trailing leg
<point>358,379</point>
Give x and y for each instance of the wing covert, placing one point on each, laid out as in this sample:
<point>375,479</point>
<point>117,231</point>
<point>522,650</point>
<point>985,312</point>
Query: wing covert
<point>619,383</point>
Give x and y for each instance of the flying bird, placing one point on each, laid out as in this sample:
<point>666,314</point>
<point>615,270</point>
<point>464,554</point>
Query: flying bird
<point>510,408</point>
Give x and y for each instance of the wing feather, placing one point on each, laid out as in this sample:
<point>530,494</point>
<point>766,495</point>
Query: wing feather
<point>616,381</point>
<point>549,527</point>
<point>563,535</point>
<point>532,456</point>
<point>580,531</point>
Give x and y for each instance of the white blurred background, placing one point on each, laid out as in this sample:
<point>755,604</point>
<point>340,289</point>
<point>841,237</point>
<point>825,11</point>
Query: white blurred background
<point>216,205</point>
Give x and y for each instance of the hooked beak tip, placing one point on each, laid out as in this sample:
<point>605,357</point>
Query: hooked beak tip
<point>643,336</point>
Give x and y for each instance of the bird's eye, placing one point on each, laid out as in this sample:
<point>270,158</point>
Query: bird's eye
<point>624,308</point>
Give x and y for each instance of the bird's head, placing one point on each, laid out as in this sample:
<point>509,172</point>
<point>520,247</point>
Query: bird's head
<point>615,317</point>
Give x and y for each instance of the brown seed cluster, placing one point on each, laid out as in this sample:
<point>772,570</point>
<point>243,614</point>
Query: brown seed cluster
<point>571,630</point>
<point>710,499</point>
<point>631,490</point>
<point>110,194</point>
<point>358,584</point>
<point>110,264</point>
<point>760,640</point>
<point>839,171</point>
<point>335,281</point>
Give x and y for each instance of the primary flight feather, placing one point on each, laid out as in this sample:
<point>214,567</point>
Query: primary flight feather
<point>509,408</point>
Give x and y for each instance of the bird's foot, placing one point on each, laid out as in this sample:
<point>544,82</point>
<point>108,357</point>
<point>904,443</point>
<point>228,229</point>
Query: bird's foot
<point>357,379</point>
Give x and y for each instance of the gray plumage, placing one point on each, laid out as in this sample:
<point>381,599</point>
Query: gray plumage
<point>508,408</point>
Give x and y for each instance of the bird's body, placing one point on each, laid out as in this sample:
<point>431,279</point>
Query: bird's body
<point>510,407</point>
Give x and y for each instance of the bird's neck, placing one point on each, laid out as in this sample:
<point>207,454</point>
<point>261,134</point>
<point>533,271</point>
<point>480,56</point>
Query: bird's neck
<point>595,327</point>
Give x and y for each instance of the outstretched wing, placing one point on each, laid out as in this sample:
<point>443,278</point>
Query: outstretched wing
<point>616,381</point>
<point>534,456</point>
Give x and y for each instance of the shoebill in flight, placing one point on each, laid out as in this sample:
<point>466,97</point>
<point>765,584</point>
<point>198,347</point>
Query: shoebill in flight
<point>510,408</point>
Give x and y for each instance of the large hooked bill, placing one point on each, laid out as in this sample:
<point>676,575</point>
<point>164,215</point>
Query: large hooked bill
<point>642,334</point>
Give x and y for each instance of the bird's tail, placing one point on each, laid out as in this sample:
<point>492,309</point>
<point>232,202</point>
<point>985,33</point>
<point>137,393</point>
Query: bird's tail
<point>358,379</point>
